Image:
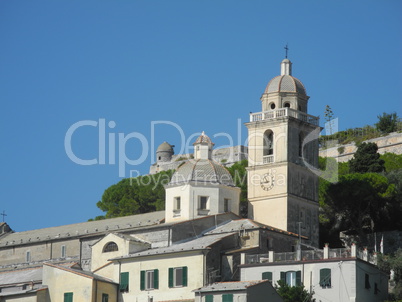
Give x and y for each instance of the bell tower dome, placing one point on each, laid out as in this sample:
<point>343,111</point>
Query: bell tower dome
<point>282,190</point>
<point>285,91</point>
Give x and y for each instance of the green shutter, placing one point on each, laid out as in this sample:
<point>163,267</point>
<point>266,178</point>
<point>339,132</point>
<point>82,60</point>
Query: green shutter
<point>283,276</point>
<point>170,276</point>
<point>184,272</point>
<point>105,298</point>
<point>124,281</point>
<point>227,298</point>
<point>325,277</point>
<point>142,280</point>
<point>209,298</point>
<point>298,278</point>
<point>156,279</point>
<point>68,297</point>
<point>267,276</point>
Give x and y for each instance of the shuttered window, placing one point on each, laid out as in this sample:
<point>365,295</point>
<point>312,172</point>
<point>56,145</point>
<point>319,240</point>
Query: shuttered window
<point>124,282</point>
<point>68,297</point>
<point>149,279</point>
<point>209,298</point>
<point>267,276</point>
<point>178,276</point>
<point>105,298</point>
<point>227,298</point>
<point>291,278</point>
<point>325,277</point>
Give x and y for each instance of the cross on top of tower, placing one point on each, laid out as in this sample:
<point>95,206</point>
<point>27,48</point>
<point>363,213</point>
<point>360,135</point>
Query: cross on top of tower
<point>3,214</point>
<point>286,51</point>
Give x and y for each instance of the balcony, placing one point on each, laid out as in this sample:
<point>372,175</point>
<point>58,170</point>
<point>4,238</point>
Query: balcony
<point>311,255</point>
<point>268,159</point>
<point>284,112</point>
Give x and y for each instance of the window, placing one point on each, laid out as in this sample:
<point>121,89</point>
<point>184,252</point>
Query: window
<point>272,105</point>
<point>269,243</point>
<point>376,290</point>
<point>292,278</point>
<point>110,247</point>
<point>178,276</point>
<point>63,251</point>
<point>203,204</point>
<point>227,298</point>
<point>105,298</point>
<point>149,279</point>
<point>68,297</point>
<point>266,276</point>
<point>268,143</point>
<point>177,204</point>
<point>325,277</point>
<point>209,298</point>
<point>28,256</point>
<point>367,281</point>
<point>124,277</point>
<point>226,205</point>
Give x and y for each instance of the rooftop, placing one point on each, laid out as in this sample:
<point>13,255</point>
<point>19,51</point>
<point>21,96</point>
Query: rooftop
<point>247,224</point>
<point>200,243</point>
<point>82,229</point>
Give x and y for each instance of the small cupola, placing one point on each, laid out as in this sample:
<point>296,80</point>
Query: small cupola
<point>286,67</point>
<point>203,147</point>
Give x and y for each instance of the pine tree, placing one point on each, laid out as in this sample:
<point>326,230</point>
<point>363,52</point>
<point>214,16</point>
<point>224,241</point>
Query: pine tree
<point>366,159</point>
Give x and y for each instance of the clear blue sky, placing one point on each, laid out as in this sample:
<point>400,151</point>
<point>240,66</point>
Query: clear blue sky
<point>202,65</point>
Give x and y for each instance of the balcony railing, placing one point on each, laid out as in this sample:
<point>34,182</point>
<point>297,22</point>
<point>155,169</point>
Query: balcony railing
<point>340,253</point>
<point>311,255</point>
<point>284,112</point>
<point>268,159</point>
<point>257,258</point>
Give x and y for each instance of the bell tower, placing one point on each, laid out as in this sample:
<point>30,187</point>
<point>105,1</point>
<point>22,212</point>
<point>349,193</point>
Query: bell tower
<point>282,189</point>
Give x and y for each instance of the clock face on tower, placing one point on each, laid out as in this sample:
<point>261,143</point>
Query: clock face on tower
<point>268,181</point>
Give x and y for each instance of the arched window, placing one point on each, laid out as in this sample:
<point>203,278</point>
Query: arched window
<point>272,106</point>
<point>268,143</point>
<point>110,247</point>
<point>287,105</point>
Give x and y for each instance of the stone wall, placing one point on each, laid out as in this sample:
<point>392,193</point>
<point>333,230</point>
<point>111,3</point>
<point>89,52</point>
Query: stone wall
<point>391,143</point>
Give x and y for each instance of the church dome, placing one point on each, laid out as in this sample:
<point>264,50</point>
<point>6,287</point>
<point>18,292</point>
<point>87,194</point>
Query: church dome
<point>285,83</point>
<point>165,147</point>
<point>203,171</point>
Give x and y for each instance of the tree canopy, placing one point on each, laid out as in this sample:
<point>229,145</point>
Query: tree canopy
<point>358,202</point>
<point>393,262</point>
<point>137,195</point>
<point>366,159</point>
<point>293,293</point>
<point>392,161</point>
<point>239,175</point>
<point>387,122</point>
